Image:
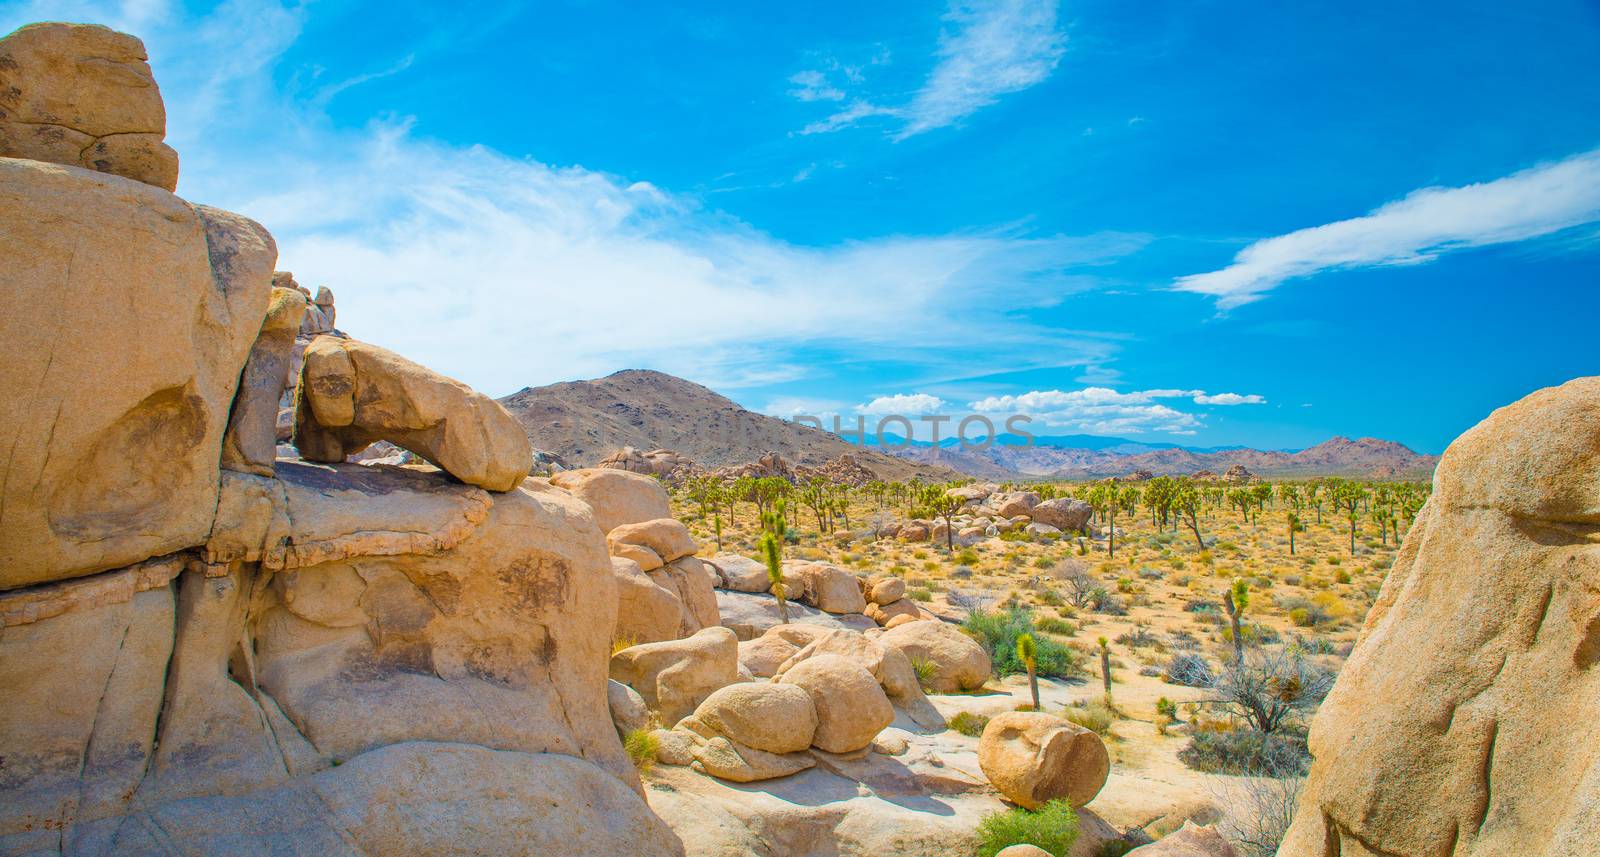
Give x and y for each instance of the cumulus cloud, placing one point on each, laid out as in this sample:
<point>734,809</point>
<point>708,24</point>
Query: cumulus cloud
<point>987,49</point>
<point>1419,228</point>
<point>906,404</point>
<point>1229,399</point>
<point>507,272</point>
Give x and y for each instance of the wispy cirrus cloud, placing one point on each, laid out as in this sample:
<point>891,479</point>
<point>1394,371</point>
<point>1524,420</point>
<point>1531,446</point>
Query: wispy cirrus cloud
<point>987,49</point>
<point>1230,399</point>
<point>1416,229</point>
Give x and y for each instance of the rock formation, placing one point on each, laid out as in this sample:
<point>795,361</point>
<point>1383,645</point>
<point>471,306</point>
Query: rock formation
<point>205,650</point>
<point>1462,723</point>
<point>1033,758</point>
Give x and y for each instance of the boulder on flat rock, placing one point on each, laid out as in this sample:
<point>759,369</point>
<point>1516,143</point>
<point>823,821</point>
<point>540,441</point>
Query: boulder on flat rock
<point>851,707</point>
<point>667,537</point>
<point>112,414</point>
<point>251,442</point>
<point>1063,513</point>
<point>887,591</point>
<point>1486,745</point>
<point>675,676</point>
<point>645,558</point>
<point>1189,841</point>
<point>888,666</point>
<point>617,496</point>
<point>83,95</point>
<point>694,586</point>
<point>353,393</point>
<point>1014,504</point>
<point>885,614</point>
<point>729,760</point>
<point>957,662</point>
<point>763,655</point>
<point>739,573</point>
<point>777,718</point>
<point>825,587</point>
<point>1033,758</point>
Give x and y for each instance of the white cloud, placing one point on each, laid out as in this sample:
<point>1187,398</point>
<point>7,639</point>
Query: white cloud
<point>812,85</point>
<point>1098,410</point>
<point>1229,399</point>
<point>1418,228</point>
<point>507,272</point>
<point>987,49</point>
<point>905,404</point>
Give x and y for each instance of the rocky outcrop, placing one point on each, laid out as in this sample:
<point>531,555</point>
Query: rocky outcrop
<point>352,394</point>
<point>83,95</point>
<point>1034,758</point>
<point>675,676</point>
<point>1188,841</point>
<point>251,444</point>
<point>663,464</point>
<point>1063,513</point>
<point>617,496</point>
<point>851,707</point>
<point>889,666</point>
<point>1486,745</point>
<point>955,661</point>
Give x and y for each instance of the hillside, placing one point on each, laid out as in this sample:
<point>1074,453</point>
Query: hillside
<point>584,421</point>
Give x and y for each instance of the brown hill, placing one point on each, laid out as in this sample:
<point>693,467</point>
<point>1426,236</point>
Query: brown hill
<point>585,421</point>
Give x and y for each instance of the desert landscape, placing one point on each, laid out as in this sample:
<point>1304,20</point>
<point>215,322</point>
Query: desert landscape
<point>268,587</point>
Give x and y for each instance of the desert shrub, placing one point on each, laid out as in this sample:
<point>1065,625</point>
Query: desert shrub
<point>998,631</point>
<point>1189,670</point>
<point>1095,715</point>
<point>1053,625</point>
<point>1334,560</point>
<point>969,724</point>
<point>1043,562</point>
<point>924,669</point>
<point>1150,572</point>
<point>919,595</point>
<point>1243,751</point>
<point>642,747</point>
<point>1292,579</point>
<point>1108,603</point>
<point>1167,708</point>
<point>966,556</point>
<point>1342,576</point>
<point>1052,827</point>
<point>1141,636</point>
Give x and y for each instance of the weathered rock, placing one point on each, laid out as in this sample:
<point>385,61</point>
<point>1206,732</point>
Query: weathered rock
<point>694,586</point>
<point>740,574</point>
<point>353,393</point>
<point>111,423</point>
<point>668,537</point>
<point>676,746</point>
<point>1190,841</point>
<point>729,760</point>
<point>1063,513</point>
<point>251,442</point>
<point>617,496</point>
<point>1033,758</point>
<point>763,655</point>
<point>1022,851</point>
<point>83,95</point>
<point>659,463</point>
<point>1486,745</point>
<point>851,707</point>
<point>897,621</point>
<point>677,675</point>
<point>1038,529</point>
<point>1014,504</point>
<point>888,591</point>
<point>885,614</point>
<point>646,611</point>
<point>914,531</point>
<point>888,666</point>
<point>628,711</point>
<point>957,662</point>
<point>645,558</point>
<point>777,718</point>
<point>826,587</point>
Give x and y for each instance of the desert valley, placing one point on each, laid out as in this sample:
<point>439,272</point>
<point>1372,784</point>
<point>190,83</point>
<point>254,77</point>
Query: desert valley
<point>267,587</point>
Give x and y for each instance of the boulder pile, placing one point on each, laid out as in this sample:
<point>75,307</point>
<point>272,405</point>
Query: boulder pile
<point>207,648</point>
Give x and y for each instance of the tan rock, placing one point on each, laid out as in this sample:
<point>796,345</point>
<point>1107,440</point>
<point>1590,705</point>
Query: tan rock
<point>914,531</point>
<point>668,537</point>
<point>676,746</point>
<point>888,591</point>
<point>83,95</point>
<point>111,423</point>
<point>1190,841</point>
<point>251,442</point>
<point>903,618</point>
<point>739,573</point>
<point>1014,504</point>
<point>645,558</point>
<point>763,655</point>
<point>888,666</point>
<point>352,393</point>
<point>617,496</point>
<point>1022,851</point>
<point>677,675</point>
<point>826,587</point>
<point>1033,758</point>
<point>694,586</point>
<point>628,711</point>
<point>883,614</point>
<point>1063,513</point>
<point>728,760</point>
<point>646,611</point>
<point>957,662</point>
<point>851,707</point>
<point>1485,745</point>
<point>777,718</point>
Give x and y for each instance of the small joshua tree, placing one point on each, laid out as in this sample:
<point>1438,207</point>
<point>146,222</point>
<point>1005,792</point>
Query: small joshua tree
<point>1105,665</point>
<point>1027,652</point>
<point>1294,524</point>
<point>773,528</point>
<point>1236,600</point>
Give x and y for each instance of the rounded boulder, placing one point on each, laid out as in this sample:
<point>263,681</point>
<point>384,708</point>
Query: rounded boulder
<point>851,707</point>
<point>1032,758</point>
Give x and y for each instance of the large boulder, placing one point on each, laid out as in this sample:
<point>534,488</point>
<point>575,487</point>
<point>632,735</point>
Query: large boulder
<point>955,661</point>
<point>764,655</point>
<point>1015,503</point>
<point>354,393</point>
<point>628,710</point>
<point>694,586</point>
<point>1487,744</point>
<point>887,591</point>
<point>1188,841</point>
<point>677,675</point>
<point>251,443</point>
<point>1063,513</point>
<point>617,496</point>
<point>83,95</point>
<point>647,612</point>
<point>892,670</point>
<point>1033,758</point>
<point>825,587</point>
<point>777,718</point>
<point>885,614</point>
<point>668,538</point>
<point>851,707</point>
<point>740,574</point>
<point>112,413</point>
<point>729,760</point>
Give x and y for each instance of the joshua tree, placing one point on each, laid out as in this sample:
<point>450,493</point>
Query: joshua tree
<point>1105,664</point>
<point>1186,501</point>
<point>1027,652</point>
<point>1236,600</point>
<point>1294,524</point>
<point>943,505</point>
<point>773,528</point>
<point>1349,497</point>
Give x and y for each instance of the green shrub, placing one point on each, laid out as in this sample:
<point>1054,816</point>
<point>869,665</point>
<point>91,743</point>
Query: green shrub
<point>968,723</point>
<point>997,632</point>
<point>642,748</point>
<point>924,668</point>
<point>1053,625</point>
<point>1094,715</point>
<point>1247,752</point>
<point>1052,827</point>
<point>919,595</point>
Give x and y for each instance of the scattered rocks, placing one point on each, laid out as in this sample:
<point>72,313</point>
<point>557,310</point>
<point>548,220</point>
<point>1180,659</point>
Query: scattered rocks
<point>1033,758</point>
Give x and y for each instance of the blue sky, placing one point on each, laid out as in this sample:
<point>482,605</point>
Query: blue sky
<point>1211,223</point>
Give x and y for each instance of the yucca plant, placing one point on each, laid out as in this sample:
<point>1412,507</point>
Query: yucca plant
<point>773,528</point>
<point>1028,652</point>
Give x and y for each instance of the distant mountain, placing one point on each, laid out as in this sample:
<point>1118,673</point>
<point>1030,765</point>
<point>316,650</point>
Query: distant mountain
<point>585,421</point>
<point>1094,442</point>
<point>1367,457</point>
